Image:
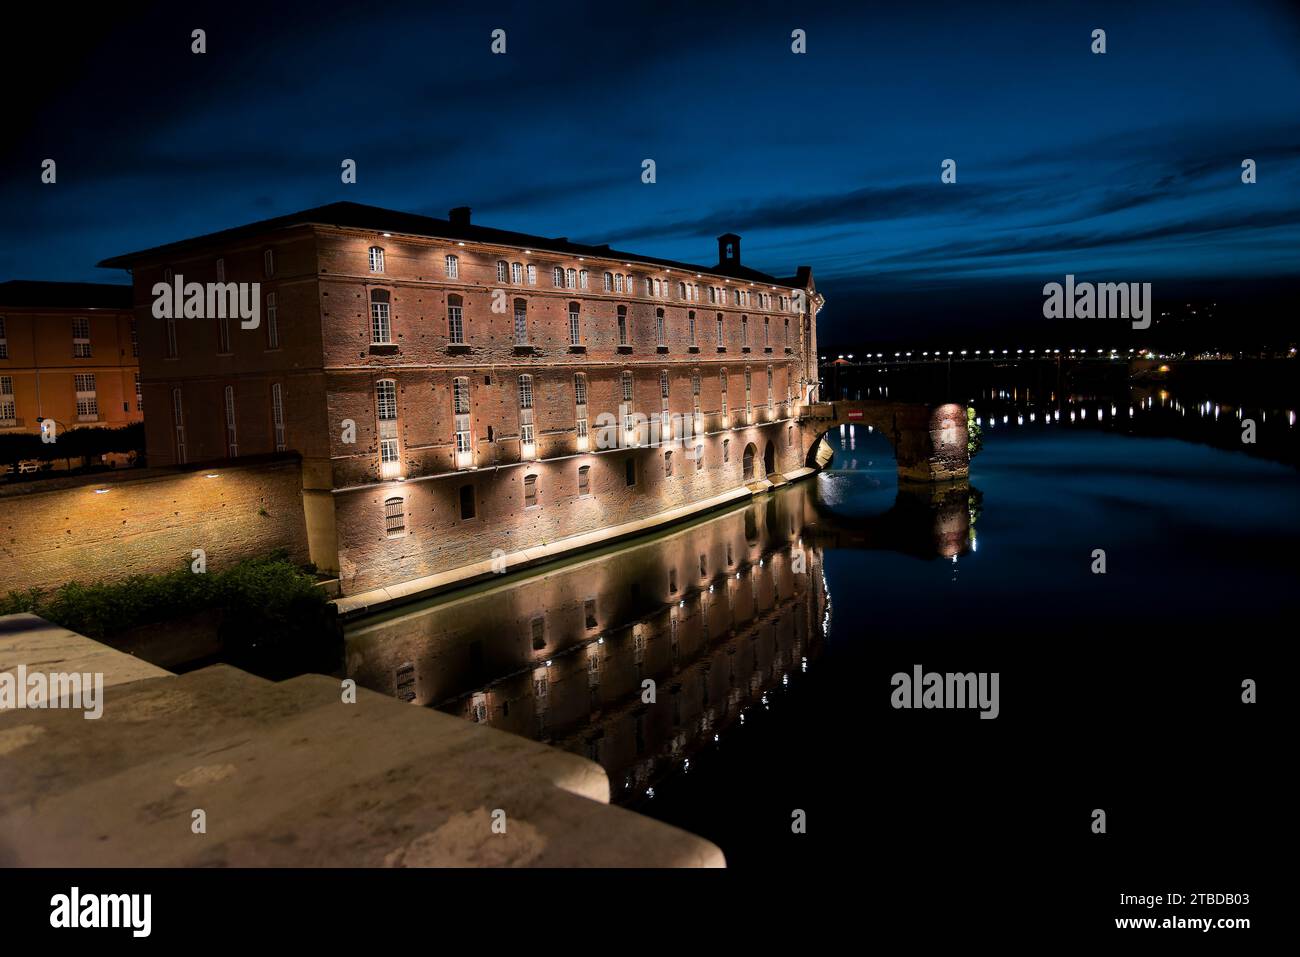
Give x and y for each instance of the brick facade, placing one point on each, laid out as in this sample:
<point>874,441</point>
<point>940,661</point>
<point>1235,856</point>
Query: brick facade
<point>332,372</point>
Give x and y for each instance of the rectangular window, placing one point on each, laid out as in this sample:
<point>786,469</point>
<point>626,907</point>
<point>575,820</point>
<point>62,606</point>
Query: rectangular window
<point>8,406</point>
<point>575,326</point>
<point>381,329</point>
<point>532,275</point>
<point>583,282</point>
<point>517,273</point>
<point>466,502</point>
<point>376,259</point>
<point>272,322</point>
<point>690,318</point>
<point>277,416</point>
<point>460,410</point>
<point>503,273</point>
<point>453,267</point>
<point>571,278</point>
<point>232,441</point>
<point>394,517</point>
<point>268,263</point>
<point>386,399</point>
<point>81,338</point>
<point>87,400</point>
<point>659,329</point>
<point>622,325</point>
<point>4,338</point>
<point>455,324</point>
<point>557,277</point>
<point>589,613</point>
<point>139,396</point>
<point>618,282</point>
<point>521,323</point>
<point>608,283</point>
<point>178,424</point>
<point>530,495</point>
<point>720,340</point>
<point>526,410</point>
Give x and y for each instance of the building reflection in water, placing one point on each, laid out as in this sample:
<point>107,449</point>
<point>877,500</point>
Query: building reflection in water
<point>709,617</point>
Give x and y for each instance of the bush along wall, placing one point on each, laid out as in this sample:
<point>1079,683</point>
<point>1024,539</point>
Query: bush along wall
<point>271,618</point>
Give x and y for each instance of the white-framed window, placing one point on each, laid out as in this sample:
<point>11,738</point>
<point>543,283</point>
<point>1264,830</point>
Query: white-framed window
<point>178,425</point>
<point>452,265</point>
<point>4,338</point>
<point>376,259</point>
<point>268,263</point>
<point>277,416</point>
<point>744,332</point>
<point>532,275</point>
<point>517,273</point>
<point>721,342</point>
<point>625,381</point>
<point>81,338</point>
<point>557,277</point>
<point>232,438</point>
<point>681,290</point>
<point>769,388</point>
<point>460,410</point>
<point>394,517</point>
<point>272,322</point>
<point>580,402</point>
<point>386,413</point>
<point>622,325</point>
<point>661,335</point>
<point>87,398</point>
<point>695,391</point>
<point>584,281</point>
<point>749,392</point>
<point>8,405</point>
<point>526,437</point>
<point>381,326</point>
<point>571,279</point>
<point>608,282</point>
<point>455,321</point>
<point>690,323</point>
<point>767,332</point>
<point>575,325</point>
<point>722,380</point>
<point>665,420</point>
<point>503,271</point>
<point>618,282</point>
<point>139,394</point>
<point>521,322</point>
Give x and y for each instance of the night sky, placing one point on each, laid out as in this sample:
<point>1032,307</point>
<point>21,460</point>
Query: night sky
<point>1119,167</point>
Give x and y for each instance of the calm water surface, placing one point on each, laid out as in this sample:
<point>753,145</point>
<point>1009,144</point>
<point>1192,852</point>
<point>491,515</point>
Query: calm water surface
<point>765,629</point>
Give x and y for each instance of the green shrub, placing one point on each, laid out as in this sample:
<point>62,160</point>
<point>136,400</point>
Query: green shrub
<point>272,617</point>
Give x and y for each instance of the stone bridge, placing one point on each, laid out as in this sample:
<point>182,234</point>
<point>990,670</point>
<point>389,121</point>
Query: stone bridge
<point>929,441</point>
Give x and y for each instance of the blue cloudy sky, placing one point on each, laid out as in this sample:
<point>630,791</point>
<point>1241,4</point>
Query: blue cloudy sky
<point>1124,166</point>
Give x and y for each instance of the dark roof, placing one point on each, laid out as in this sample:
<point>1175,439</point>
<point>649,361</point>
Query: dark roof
<point>25,293</point>
<point>379,220</point>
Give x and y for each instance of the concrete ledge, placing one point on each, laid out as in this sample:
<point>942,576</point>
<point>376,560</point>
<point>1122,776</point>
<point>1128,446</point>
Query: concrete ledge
<point>291,774</point>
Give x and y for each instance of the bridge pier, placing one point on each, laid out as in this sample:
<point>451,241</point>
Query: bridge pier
<point>929,440</point>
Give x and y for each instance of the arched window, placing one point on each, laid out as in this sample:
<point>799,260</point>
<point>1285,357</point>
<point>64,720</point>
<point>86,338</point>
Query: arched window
<point>609,282</point>
<point>455,323</point>
<point>618,282</point>
<point>381,329</point>
<point>557,277</point>
<point>747,462</point>
<point>530,491</point>
<point>517,273</point>
<point>584,480</point>
<point>583,281</point>
<point>503,271</point>
<point>571,279</point>
<point>376,259</point>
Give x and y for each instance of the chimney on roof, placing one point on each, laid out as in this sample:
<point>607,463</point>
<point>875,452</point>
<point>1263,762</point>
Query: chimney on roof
<point>728,250</point>
<point>459,216</point>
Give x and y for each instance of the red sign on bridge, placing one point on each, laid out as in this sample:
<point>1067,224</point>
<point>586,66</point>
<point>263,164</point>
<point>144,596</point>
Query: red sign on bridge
<point>855,413</point>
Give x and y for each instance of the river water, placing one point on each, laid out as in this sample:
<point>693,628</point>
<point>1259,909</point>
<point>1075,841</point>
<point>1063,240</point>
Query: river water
<point>733,673</point>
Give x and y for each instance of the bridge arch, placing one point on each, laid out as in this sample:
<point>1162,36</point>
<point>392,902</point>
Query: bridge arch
<point>929,441</point>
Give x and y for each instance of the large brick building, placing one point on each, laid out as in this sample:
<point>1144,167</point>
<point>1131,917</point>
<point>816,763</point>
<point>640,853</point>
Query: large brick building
<point>67,355</point>
<point>457,390</point>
